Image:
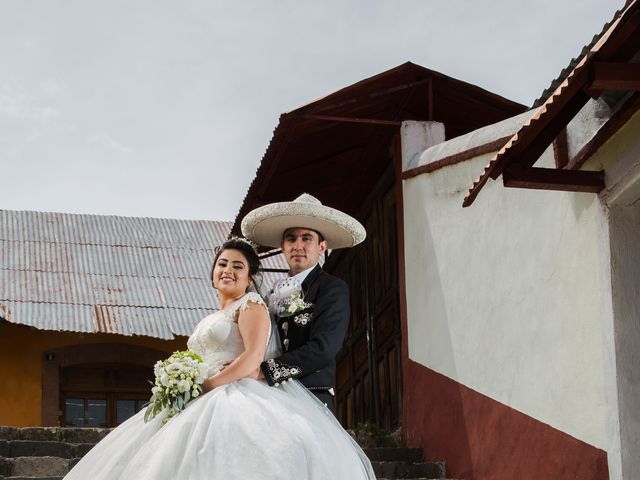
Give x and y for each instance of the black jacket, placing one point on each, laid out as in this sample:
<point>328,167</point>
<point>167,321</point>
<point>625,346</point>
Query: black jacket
<point>311,340</point>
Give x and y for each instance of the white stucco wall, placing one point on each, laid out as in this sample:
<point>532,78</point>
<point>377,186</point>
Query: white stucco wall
<point>505,296</point>
<point>620,158</point>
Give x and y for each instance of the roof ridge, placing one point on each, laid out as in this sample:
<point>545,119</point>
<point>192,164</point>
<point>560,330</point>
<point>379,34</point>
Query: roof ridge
<point>103,215</point>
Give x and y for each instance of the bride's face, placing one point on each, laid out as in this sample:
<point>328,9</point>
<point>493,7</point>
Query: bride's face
<point>231,273</point>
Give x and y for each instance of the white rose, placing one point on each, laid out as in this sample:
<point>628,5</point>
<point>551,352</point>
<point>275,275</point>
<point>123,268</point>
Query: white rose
<point>164,379</point>
<point>183,386</point>
<point>173,368</point>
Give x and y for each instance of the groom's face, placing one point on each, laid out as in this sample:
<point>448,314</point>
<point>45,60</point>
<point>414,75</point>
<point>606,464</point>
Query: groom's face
<point>302,249</point>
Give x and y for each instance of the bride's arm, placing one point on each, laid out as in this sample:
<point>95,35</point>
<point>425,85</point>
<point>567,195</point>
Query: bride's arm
<point>253,323</point>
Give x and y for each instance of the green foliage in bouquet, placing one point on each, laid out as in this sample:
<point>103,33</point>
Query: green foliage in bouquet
<point>178,381</point>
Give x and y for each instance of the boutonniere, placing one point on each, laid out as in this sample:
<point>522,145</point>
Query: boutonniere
<point>292,305</point>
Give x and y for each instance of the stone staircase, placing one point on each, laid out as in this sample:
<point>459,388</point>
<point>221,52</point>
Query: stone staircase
<point>43,453</point>
<point>402,462</point>
<point>49,453</point>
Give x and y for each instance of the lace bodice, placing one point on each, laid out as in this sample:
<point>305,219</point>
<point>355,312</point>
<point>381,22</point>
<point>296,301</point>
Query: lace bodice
<point>217,337</point>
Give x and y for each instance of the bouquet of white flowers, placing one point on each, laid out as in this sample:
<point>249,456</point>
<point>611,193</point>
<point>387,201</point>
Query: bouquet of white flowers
<point>178,380</point>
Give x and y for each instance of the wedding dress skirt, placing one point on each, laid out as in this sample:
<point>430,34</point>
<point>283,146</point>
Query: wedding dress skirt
<point>242,430</point>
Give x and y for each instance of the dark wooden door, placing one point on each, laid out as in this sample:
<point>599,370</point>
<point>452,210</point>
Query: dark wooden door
<point>368,374</point>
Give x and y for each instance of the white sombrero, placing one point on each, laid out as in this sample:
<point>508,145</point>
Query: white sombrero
<point>265,225</point>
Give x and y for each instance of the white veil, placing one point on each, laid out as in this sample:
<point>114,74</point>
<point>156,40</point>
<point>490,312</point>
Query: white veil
<point>273,344</point>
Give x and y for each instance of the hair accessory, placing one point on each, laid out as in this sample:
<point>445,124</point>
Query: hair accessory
<point>243,240</point>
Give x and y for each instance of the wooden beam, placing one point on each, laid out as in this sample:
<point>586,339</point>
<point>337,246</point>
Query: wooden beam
<point>615,123</point>
<point>270,253</point>
<point>545,125</point>
<point>561,149</point>
<point>368,121</point>
<point>430,99</point>
<point>538,144</point>
<point>353,99</point>
<point>624,41</point>
<point>554,179</point>
<point>614,76</point>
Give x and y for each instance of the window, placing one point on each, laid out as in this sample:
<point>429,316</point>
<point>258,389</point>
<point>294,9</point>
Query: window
<point>85,412</point>
<point>97,395</point>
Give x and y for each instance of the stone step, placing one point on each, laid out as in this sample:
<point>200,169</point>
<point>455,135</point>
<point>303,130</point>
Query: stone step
<point>30,478</point>
<point>409,469</point>
<point>47,453</point>
<point>34,466</point>
<point>50,468</point>
<point>54,434</point>
<point>397,454</point>
<point>41,448</point>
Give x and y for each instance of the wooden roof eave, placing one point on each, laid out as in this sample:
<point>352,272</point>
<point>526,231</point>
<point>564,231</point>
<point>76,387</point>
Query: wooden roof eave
<point>598,71</point>
<point>375,106</point>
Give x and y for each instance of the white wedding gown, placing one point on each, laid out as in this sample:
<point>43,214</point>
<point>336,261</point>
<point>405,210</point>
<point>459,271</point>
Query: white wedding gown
<point>243,430</point>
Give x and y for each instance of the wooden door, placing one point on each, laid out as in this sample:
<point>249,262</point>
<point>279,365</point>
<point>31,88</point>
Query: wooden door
<point>368,374</point>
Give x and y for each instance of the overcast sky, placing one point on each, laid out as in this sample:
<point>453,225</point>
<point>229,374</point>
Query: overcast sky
<point>164,108</point>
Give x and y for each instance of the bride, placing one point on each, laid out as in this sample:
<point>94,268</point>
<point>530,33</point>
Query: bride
<point>241,428</point>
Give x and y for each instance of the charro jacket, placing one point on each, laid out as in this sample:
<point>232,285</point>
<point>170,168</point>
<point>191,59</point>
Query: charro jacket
<point>312,338</point>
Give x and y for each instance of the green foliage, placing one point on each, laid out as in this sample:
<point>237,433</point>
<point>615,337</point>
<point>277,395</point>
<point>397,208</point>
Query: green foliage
<point>369,434</point>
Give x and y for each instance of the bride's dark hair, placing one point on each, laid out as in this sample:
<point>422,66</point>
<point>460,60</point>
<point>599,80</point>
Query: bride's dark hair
<point>249,252</point>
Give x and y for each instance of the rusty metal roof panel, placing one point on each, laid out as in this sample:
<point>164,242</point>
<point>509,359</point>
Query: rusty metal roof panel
<point>182,322</point>
<point>110,230</point>
<point>120,275</point>
<point>119,320</point>
<point>47,316</point>
<point>87,273</point>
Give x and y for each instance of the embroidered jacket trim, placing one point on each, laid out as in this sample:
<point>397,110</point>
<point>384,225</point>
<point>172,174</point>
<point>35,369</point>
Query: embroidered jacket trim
<point>279,372</point>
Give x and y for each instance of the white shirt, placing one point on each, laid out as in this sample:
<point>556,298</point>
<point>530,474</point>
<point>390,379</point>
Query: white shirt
<point>287,287</point>
<point>300,277</point>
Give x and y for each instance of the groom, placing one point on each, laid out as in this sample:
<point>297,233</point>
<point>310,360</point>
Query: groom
<point>311,306</point>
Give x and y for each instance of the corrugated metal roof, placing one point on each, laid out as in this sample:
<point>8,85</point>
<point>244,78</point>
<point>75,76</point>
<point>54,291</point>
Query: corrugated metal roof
<point>109,274</point>
<point>566,71</point>
<point>543,114</point>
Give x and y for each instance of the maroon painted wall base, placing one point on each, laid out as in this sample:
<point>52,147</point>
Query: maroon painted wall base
<point>482,439</point>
